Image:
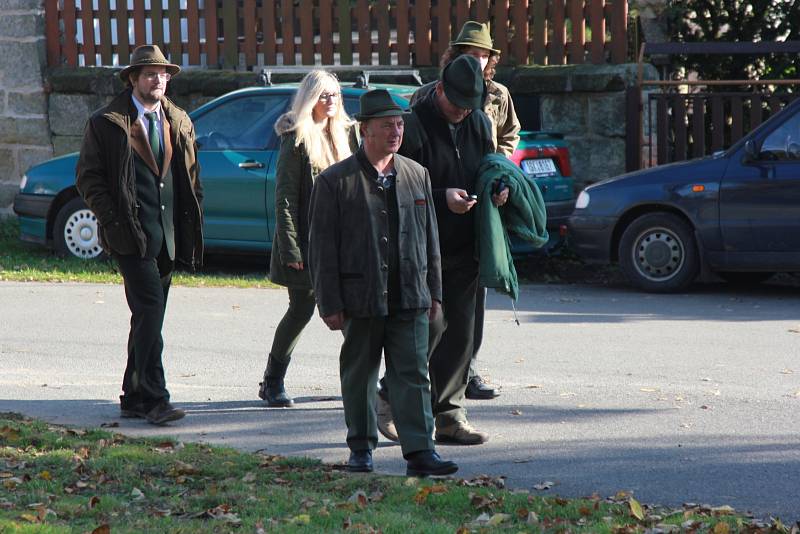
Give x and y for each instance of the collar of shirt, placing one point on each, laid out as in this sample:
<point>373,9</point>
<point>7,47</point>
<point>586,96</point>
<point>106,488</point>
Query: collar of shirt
<point>372,172</point>
<point>143,119</point>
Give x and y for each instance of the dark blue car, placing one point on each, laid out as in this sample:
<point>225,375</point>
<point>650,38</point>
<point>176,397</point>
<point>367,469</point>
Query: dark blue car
<point>735,214</point>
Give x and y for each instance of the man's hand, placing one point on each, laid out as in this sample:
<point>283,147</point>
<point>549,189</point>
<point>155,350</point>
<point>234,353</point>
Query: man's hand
<point>296,265</point>
<point>458,200</point>
<point>335,321</point>
<point>434,310</point>
<point>498,199</point>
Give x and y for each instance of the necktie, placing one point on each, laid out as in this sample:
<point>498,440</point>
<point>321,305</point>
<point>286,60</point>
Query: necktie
<point>152,134</point>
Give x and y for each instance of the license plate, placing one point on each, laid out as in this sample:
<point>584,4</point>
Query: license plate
<point>538,167</point>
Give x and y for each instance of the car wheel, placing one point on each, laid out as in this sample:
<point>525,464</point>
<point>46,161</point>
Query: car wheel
<point>744,278</point>
<point>657,252</point>
<point>75,231</point>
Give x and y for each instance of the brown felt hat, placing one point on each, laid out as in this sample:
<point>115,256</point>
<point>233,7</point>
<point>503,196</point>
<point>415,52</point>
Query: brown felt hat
<point>148,55</point>
<point>475,34</point>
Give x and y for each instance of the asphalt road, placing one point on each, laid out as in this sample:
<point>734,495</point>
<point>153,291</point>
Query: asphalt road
<point>677,398</point>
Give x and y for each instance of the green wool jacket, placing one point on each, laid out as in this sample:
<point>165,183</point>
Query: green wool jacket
<point>294,179</point>
<point>523,215</point>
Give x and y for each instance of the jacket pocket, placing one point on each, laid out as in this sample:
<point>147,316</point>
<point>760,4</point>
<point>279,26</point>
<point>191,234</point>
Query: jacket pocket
<point>118,237</point>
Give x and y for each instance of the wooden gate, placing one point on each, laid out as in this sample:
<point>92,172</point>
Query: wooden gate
<point>685,119</point>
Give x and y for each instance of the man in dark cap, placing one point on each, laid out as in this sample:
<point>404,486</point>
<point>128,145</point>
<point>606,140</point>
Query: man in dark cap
<point>138,172</point>
<point>449,135</point>
<point>380,284</point>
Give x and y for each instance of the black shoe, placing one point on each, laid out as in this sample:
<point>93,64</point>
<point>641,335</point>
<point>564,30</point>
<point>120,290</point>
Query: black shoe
<point>164,412</point>
<point>428,463</point>
<point>477,389</point>
<point>132,411</point>
<point>360,461</point>
<point>272,391</point>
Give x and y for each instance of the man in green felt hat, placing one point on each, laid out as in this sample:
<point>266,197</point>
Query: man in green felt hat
<point>449,135</point>
<point>375,267</point>
<point>474,40</point>
<point>138,172</point>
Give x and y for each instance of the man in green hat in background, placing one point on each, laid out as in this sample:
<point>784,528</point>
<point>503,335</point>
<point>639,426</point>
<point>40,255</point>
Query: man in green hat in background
<point>449,135</point>
<point>375,267</point>
<point>138,173</point>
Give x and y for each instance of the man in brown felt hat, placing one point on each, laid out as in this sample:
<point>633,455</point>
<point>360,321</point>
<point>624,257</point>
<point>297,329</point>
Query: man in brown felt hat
<point>374,259</point>
<point>138,172</point>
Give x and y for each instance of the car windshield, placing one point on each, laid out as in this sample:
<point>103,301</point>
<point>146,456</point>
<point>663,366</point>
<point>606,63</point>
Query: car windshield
<point>244,123</point>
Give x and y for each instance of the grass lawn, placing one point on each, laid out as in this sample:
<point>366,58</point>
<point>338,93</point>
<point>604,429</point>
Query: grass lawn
<point>56,479</point>
<point>23,262</point>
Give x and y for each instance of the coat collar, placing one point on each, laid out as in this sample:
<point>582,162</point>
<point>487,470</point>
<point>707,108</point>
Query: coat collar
<point>122,112</point>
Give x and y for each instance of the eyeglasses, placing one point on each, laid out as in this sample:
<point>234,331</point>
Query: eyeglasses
<point>329,96</point>
<point>153,76</point>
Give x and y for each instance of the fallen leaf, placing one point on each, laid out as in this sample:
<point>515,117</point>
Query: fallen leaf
<point>45,475</point>
<point>359,498</point>
<point>636,509</point>
<point>533,386</point>
<point>301,519</point>
<point>93,501</point>
<point>721,528</point>
<point>497,519</point>
<point>515,412</point>
<point>705,407</point>
<point>102,529</point>
<point>787,372</point>
<point>137,494</point>
<point>249,477</point>
<point>649,390</point>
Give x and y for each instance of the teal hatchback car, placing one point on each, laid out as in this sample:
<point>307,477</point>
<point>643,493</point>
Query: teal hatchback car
<point>238,149</point>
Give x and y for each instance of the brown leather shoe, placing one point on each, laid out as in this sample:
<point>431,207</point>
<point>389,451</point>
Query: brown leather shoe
<point>461,433</point>
<point>164,412</point>
<point>385,420</point>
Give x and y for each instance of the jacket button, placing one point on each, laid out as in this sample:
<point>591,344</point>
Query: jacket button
<point>384,267</point>
<point>385,293</point>
<point>163,208</point>
<point>162,184</point>
<point>384,240</point>
<point>383,212</point>
<point>380,189</point>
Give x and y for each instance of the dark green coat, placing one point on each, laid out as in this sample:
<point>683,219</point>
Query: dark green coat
<point>348,240</point>
<point>524,215</point>
<point>294,178</point>
<point>107,182</point>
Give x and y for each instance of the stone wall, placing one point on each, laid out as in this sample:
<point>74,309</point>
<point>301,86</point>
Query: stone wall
<point>584,102</point>
<point>24,131</point>
<point>587,104</point>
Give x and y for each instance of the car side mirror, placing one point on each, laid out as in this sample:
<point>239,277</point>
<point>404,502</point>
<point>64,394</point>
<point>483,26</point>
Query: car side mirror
<point>750,151</point>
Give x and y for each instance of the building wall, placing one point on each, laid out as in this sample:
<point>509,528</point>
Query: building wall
<point>24,129</point>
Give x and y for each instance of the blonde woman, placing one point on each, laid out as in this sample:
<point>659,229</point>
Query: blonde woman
<point>315,133</point>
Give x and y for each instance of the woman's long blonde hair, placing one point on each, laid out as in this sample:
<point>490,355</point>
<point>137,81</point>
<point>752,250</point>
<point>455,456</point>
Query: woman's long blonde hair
<point>326,143</point>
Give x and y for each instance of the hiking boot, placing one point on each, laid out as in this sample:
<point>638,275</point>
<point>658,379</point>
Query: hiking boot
<point>385,420</point>
<point>163,413</point>
<point>460,433</point>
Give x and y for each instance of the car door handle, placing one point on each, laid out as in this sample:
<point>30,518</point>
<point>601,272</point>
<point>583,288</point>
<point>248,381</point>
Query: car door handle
<point>250,164</point>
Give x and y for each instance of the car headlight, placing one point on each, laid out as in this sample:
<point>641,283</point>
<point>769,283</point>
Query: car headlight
<point>23,182</point>
<point>582,200</point>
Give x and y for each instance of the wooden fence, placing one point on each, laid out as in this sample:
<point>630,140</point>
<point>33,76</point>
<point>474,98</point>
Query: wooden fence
<point>251,33</point>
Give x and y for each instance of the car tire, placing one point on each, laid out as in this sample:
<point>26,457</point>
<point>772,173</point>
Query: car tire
<point>75,231</point>
<point>744,278</point>
<point>658,253</point>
